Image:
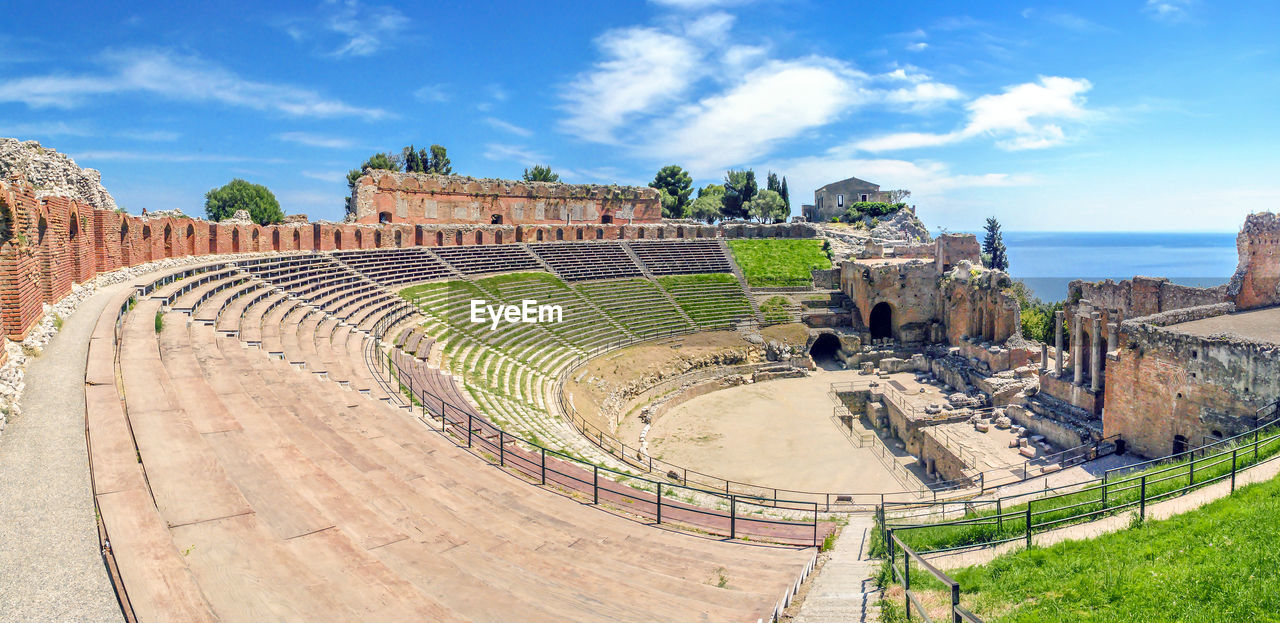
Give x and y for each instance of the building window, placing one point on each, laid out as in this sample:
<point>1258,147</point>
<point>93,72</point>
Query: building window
<point>864,197</point>
<point>839,201</point>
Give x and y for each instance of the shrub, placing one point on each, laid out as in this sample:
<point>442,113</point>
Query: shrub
<point>222,203</point>
<point>159,321</point>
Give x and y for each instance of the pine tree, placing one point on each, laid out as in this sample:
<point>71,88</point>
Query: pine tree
<point>993,245</point>
<point>438,164</point>
<point>786,194</point>
<point>411,162</point>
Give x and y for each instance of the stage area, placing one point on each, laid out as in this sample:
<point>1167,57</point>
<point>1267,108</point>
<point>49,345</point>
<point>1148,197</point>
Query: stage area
<point>778,433</point>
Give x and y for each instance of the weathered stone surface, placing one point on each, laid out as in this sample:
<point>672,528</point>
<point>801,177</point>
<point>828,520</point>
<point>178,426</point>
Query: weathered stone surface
<point>53,173</point>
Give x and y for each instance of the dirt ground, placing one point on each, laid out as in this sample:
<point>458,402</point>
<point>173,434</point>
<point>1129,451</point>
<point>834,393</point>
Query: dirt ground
<point>777,432</point>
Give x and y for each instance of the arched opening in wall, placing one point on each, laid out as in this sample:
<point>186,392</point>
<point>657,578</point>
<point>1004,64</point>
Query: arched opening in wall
<point>377,239</point>
<point>621,233</point>
<point>337,239</point>
<point>579,233</point>
<point>124,243</point>
<point>255,242</point>
<point>559,234</point>
<point>457,238</point>
<point>275,239</point>
<point>439,239</point>
<point>73,230</point>
<point>640,234</point>
<point>680,232</point>
<point>497,237</point>
<point>479,237</point>
<point>881,323</point>
<point>662,233</point>
<point>599,233</point>
<point>384,217</point>
<point>168,241</point>
<point>297,239</point>
<point>191,240</point>
<point>496,219</point>
<point>823,351</point>
<point>976,330</point>
<point>606,219</point>
<point>399,239</point>
<point>43,227</point>
<point>235,240</point>
<point>1179,444</point>
<point>359,239</point>
<point>539,236</point>
<point>519,234</point>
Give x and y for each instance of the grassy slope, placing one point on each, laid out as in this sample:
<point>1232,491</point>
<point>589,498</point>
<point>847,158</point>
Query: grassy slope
<point>707,311</point>
<point>1219,563</point>
<point>774,309</point>
<point>779,262</point>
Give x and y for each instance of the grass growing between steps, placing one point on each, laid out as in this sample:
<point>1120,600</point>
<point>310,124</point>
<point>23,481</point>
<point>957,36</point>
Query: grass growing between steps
<point>708,299</point>
<point>774,309</point>
<point>779,262</point>
<point>1218,563</point>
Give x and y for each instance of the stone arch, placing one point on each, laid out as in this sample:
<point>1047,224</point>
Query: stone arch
<point>881,321</point>
<point>168,240</point>
<point>825,346</point>
<point>519,234</point>
<point>124,242</point>
<point>457,238</point>
<point>439,239</point>
<point>599,233</point>
<point>662,233</point>
<point>377,239</point>
<point>1180,444</point>
<point>384,217</point>
<point>255,242</point>
<point>297,239</point>
<point>191,240</point>
<point>73,228</point>
<point>399,239</point>
<point>235,240</point>
<point>622,233</point>
<point>359,239</point>
<point>497,237</point>
<point>275,238</point>
<point>579,233</point>
<point>640,233</point>
<point>337,238</point>
<point>559,233</point>
<point>539,235</point>
<point>146,233</point>
<point>680,232</point>
<point>479,237</point>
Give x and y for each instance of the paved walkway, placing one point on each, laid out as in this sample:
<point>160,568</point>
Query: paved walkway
<point>1114,523</point>
<point>50,566</point>
<point>845,590</point>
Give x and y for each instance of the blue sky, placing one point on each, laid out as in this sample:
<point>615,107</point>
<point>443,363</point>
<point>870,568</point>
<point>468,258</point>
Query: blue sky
<point>1126,115</point>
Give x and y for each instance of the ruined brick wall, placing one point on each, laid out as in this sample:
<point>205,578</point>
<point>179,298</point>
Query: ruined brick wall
<point>1256,282</point>
<point>418,198</point>
<point>977,304</point>
<point>951,249</point>
<point>1140,296</point>
<point>1162,383</point>
<point>909,288</point>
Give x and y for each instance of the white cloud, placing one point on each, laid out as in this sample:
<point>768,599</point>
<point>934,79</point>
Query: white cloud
<point>346,28</point>
<point>1024,116</point>
<point>918,46</point>
<point>150,156</point>
<point>514,153</point>
<point>177,77</point>
<point>777,101</point>
<point>1168,10</point>
<point>643,69</point>
<point>156,136</point>
<point>62,128</point>
<point>315,140</point>
<point>508,127</point>
<point>698,5</point>
<point>497,92</point>
<point>433,93</point>
<point>326,176</point>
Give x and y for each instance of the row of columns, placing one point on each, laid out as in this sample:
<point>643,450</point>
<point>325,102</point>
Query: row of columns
<point>1078,346</point>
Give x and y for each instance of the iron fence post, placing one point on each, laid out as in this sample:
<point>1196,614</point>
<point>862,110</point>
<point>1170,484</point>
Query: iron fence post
<point>468,430</point>
<point>544,466</point>
<point>1142,501</point>
<point>733,517</point>
<point>815,524</point>
<point>1191,471</point>
<point>906,581</point>
<point>1233,469</point>
<point>502,449</point>
<point>1104,490</point>
<point>595,484</point>
<point>1028,524</point>
<point>659,503</point>
<point>955,601</point>
<point>999,516</point>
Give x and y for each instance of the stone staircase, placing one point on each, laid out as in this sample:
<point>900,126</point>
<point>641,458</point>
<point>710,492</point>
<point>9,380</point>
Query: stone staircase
<point>845,590</point>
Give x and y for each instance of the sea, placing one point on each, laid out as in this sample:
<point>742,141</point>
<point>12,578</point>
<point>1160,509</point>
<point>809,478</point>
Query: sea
<point>1048,261</point>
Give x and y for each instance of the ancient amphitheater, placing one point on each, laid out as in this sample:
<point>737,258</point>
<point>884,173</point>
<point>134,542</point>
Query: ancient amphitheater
<point>304,422</point>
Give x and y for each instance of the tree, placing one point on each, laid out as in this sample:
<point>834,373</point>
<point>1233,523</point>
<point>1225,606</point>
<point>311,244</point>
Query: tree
<point>897,196</point>
<point>739,188</point>
<point>772,183</point>
<point>222,203</point>
<point>993,245</point>
<point>677,182</point>
<point>540,173</point>
<point>415,161</point>
<point>671,207</point>
<point>707,207</point>
<point>768,207</point>
<point>438,162</point>
<point>786,194</point>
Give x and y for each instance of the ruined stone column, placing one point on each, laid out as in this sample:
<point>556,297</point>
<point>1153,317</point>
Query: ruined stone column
<point>1077,349</point>
<point>1113,336</point>
<point>1095,359</point>
<point>1044,357</point>
<point>1057,341</point>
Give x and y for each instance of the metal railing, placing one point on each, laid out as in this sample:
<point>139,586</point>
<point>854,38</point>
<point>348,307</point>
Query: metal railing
<point>959,614</point>
<point>744,515</point>
<point>1000,520</point>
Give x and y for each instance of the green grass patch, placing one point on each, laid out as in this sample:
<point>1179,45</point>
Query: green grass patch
<point>774,309</point>
<point>779,262</point>
<point>1218,563</point>
<point>1164,480</point>
<point>709,299</point>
